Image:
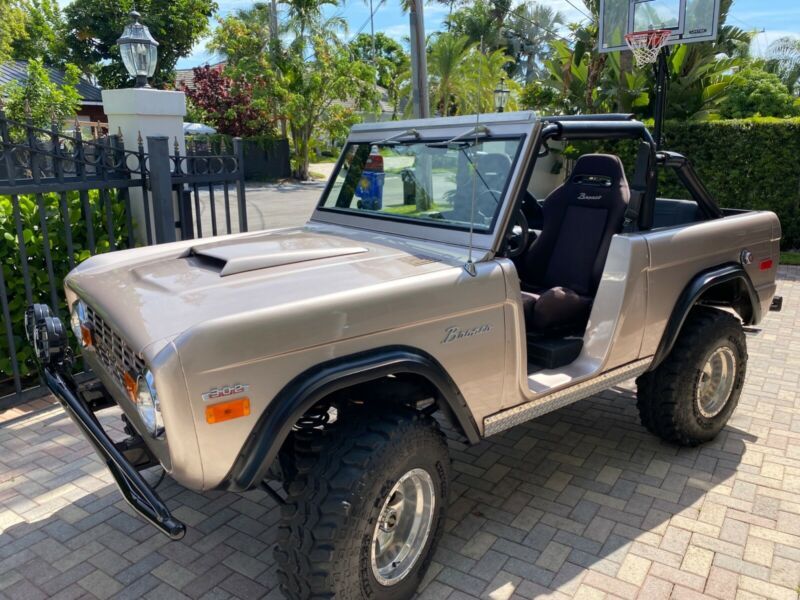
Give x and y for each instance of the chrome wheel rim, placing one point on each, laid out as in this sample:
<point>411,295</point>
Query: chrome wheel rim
<point>715,382</point>
<point>403,527</point>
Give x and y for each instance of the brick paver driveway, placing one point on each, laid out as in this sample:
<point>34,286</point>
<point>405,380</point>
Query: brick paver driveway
<point>582,503</point>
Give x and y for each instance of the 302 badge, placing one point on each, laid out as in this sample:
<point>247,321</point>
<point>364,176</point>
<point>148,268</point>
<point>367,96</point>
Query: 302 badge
<point>225,391</point>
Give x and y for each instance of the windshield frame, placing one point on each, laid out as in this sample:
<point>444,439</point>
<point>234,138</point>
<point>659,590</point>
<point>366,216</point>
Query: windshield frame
<point>524,127</point>
<point>483,229</point>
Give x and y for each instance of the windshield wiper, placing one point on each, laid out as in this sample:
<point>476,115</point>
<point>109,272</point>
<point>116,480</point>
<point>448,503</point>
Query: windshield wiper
<point>460,142</point>
<point>392,139</point>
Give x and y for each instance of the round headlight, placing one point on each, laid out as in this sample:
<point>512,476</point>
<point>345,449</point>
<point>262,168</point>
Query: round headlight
<point>77,320</point>
<point>147,404</point>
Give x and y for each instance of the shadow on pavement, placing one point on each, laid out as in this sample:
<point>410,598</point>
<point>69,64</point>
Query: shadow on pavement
<point>542,503</point>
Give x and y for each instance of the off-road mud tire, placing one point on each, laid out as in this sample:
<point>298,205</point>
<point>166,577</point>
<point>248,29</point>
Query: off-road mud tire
<point>342,478</point>
<point>667,396</point>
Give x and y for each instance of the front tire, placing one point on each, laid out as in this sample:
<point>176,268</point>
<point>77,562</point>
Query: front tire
<point>689,398</point>
<point>366,507</point>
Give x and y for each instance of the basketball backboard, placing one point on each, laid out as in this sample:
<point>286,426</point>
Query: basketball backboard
<point>689,20</point>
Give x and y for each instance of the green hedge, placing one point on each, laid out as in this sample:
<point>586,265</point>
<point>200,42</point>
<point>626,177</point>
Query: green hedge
<point>750,164</point>
<point>37,268</point>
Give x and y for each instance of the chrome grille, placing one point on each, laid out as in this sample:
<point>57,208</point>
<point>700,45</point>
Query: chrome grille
<point>111,349</point>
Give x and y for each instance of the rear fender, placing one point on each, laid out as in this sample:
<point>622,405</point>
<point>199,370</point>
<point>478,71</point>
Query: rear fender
<point>727,285</point>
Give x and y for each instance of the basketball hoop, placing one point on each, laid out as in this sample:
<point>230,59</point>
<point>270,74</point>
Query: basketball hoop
<point>646,45</point>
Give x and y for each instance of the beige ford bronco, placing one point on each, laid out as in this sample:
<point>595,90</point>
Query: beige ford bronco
<point>459,272</point>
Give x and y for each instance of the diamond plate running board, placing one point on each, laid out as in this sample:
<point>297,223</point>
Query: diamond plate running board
<point>536,408</point>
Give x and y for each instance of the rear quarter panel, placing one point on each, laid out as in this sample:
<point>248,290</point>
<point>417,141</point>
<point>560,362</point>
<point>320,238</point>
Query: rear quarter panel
<point>678,254</point>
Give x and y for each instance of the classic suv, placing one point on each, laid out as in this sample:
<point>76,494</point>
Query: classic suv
<point>473,276</point>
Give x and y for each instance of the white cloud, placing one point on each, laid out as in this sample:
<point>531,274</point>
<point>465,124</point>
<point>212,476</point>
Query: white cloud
<point>398,32</point>
<point>777,14</point>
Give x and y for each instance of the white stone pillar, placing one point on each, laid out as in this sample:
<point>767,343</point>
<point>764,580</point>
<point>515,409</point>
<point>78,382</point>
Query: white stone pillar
<point>148,112</point>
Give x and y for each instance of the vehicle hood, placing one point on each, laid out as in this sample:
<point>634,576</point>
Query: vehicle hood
<point>156,293</point>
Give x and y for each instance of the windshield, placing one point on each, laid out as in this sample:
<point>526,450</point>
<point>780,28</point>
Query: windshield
<point>425,182</point>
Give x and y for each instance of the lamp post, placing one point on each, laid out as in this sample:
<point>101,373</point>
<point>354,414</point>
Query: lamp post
<point>139,50</point>
<point>501,94</point>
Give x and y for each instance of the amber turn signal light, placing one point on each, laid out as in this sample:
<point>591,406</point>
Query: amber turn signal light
<point>225,411</point>
<point>86,336</point>
<point>130,385</point>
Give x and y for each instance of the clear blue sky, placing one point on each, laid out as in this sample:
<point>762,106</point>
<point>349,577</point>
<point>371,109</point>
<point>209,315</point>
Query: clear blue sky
<point>777,17</point>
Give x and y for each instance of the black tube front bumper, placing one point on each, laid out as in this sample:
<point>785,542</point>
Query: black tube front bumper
<point>136,491</point>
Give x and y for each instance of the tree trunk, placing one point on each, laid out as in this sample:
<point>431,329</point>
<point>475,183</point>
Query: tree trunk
<point>595,69</point>
<point>419,61</point>
<point>303,151</point>
<point>300,152</point>
<point>624,99</point>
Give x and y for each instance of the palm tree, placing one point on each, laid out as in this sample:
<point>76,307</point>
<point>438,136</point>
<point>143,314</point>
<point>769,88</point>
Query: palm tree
<point>258,20</point>
<point>446,53</point>
<point>784,54</point>
<point>306,17</point>
<point>531,30</point>
<point>481,74</point>
<point>481,21</point>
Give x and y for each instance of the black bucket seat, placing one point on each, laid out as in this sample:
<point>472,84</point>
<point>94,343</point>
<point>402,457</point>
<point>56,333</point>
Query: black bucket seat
<point>563,267</point>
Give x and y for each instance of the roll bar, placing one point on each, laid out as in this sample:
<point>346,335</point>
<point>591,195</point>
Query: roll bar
<point>622,127</point>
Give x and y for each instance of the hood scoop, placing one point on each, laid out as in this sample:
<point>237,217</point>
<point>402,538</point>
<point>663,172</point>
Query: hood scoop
<point>240,258</point>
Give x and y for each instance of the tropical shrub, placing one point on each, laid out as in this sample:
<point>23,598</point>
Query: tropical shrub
<point>228,105</point>
<point>41,100</point>
<point>37,268</point>
<point>758,93</point>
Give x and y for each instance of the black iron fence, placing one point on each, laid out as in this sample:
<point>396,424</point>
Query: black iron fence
<point>201,180</point>
<point>65,198</point>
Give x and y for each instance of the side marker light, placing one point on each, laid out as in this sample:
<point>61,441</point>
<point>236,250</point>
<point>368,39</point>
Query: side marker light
<point>225,411</point>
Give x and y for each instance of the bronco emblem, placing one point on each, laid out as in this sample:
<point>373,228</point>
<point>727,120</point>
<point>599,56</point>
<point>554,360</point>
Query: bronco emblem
<point>453,334</point>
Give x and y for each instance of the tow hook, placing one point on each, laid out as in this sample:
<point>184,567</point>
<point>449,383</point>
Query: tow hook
<point>777,304</point>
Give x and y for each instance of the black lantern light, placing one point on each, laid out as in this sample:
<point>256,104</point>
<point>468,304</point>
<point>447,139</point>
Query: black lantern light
<point>501,94</point>
<point>139,50</point>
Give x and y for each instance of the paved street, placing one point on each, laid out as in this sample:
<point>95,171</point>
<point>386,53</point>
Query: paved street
<point>582,503</point>
<point>269,206</point>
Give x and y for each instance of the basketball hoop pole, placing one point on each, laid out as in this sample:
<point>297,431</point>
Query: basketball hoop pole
<point>662,83</point>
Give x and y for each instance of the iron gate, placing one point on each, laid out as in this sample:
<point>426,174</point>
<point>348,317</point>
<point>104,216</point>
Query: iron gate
<point>64,198</point>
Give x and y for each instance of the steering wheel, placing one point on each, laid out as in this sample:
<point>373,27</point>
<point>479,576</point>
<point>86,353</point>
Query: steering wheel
<point>532,211</point>
<point>519,236</point>
<point>480,201</point>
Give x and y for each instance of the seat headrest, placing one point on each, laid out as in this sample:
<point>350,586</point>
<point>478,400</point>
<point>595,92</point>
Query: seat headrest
<point>601,170</point>
<point>494,162</point>
<point>597,180</point>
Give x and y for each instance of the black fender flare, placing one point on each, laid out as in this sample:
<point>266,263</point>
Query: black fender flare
<point>690,296</point>
<point>301,393</point>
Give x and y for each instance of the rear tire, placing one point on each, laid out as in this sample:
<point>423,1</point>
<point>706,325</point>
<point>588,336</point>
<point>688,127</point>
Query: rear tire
<point>689,398</point>
<point>373,477</point>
